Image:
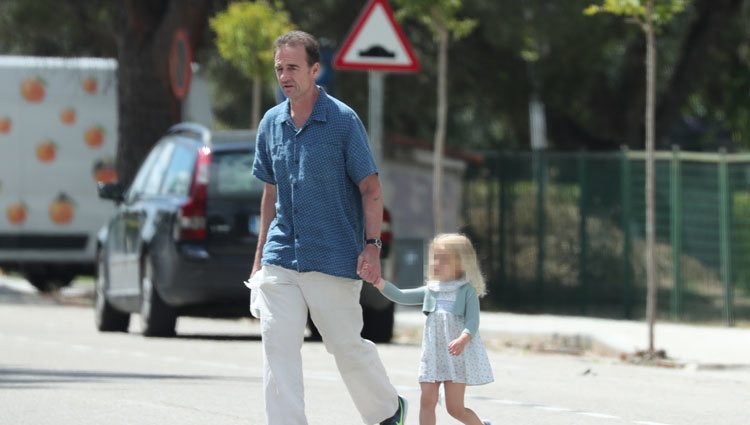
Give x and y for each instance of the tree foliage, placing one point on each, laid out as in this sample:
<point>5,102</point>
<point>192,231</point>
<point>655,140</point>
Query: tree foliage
<point>245,33</point>
<point>588,71</point>
<point>437,15</point>
<point>58,28</point>
<point>663,11</point>
<point>244,36</point>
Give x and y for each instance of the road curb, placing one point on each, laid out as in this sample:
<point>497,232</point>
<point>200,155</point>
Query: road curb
<point>574,336</point>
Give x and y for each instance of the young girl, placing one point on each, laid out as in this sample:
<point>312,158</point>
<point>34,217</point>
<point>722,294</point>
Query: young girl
<point>452,351</point>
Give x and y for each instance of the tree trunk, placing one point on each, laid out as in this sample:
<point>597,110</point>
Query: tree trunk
<point>146,105</point>
<point>442,117</point>
<point>650,173</point>
<point>257,91</point>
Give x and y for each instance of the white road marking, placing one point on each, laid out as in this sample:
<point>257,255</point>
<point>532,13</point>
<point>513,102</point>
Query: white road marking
<point>560,409</point>
<point>648,423</point>
<point>79,347</point>
<point>171,359</point>
<point>597,415</point>
<point>553,408</point>
<point>509,402</point>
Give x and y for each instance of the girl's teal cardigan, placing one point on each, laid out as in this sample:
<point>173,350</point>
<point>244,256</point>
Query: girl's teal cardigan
<point>466,305</point>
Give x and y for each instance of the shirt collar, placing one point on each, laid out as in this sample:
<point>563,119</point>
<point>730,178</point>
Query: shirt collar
<point>319,112</point>
<point>445,286</point>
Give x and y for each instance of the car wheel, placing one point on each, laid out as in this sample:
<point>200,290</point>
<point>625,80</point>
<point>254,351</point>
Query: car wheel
<point>107,318</point>
<point>39,281</point>
<point>45,281</point>
<point>378,323</point>
<point>157,318</point>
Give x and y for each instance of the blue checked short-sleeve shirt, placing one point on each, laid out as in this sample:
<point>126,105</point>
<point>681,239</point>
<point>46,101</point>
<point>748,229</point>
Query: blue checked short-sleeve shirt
<point>319,223</point>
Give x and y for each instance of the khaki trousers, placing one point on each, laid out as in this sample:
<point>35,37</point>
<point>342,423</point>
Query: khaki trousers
<point>283,298</point>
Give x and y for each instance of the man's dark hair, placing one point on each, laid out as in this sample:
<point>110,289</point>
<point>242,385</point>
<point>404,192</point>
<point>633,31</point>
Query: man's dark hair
<point>296,38</point>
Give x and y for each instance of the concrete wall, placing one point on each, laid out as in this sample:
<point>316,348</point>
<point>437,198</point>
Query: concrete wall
<point>407,193</point>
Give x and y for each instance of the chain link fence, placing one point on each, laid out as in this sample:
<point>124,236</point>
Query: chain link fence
<point>564,233</point>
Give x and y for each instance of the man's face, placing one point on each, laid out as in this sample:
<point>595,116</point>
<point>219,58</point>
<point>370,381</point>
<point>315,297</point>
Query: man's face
<point>296,78</point>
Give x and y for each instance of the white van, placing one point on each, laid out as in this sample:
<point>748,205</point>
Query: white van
<point>58,137</point>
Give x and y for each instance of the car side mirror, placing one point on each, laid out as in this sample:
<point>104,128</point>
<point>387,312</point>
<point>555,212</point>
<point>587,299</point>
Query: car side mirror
<point>111,191</point>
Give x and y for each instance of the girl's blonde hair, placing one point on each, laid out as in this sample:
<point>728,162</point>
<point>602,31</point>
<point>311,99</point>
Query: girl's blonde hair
<point>461,246</point>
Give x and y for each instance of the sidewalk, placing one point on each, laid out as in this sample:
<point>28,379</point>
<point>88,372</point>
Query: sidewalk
<point>692,346</point>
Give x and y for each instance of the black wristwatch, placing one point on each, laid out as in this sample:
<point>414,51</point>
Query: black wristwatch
<point>375,241</point>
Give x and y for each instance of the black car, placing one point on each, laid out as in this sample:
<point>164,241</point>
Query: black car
<point>184,234</point>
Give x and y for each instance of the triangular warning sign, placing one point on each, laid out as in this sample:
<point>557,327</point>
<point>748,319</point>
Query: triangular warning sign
<point>376,43</point>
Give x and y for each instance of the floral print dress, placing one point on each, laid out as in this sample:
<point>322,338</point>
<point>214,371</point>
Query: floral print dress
<point>472,366</point>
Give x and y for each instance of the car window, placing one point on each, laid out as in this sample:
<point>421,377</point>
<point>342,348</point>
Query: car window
<point>180,172</point>
<point>136,189</point>
<point>156,175</point>
<point>232,174</point>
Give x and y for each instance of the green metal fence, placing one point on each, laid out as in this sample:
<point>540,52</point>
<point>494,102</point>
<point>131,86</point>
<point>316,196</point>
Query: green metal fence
<point>564,233</point>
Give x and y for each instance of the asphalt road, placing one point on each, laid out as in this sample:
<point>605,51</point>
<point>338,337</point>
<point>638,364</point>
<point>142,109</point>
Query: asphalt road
<point>55,368</point>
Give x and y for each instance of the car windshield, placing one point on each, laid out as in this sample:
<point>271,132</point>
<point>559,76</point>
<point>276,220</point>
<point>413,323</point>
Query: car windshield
<point>231,175</point>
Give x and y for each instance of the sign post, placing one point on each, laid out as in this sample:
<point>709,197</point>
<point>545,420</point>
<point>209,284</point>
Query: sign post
<point>376,80</point>
<point>376,44</point>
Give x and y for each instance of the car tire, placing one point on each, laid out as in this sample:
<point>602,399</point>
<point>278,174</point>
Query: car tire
<point>46,282</point>
<point>107,318</point>
<point>157,318</point>
<point>378,324</point>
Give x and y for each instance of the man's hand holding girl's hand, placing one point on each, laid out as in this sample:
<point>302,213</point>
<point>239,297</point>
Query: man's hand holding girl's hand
<point>368,264</point>
<point>366,273</point>
<point>380,284</point>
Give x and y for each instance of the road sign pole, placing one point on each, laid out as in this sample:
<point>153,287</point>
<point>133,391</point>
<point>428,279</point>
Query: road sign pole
<point>376,44</point>
<point>375,114</point>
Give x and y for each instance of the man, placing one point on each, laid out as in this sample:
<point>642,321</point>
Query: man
<point>321,198</point>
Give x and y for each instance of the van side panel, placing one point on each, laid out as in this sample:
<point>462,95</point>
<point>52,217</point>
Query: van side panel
<point>61,139</point>
<point>58,137</point>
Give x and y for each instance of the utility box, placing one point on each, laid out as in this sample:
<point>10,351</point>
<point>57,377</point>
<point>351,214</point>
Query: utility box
<point>409,263</point>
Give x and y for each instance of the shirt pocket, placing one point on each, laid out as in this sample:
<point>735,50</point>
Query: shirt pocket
<point>279,156</point>
<point>279,150</point>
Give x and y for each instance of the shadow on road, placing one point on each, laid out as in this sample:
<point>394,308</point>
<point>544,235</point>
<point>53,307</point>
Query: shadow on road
<point>28,378</point>
<point>223,337</point>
